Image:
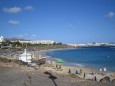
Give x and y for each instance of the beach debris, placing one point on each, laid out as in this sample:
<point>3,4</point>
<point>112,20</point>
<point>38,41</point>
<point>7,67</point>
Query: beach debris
<point>69,71</point>
<point>113,81</point>
<point>106,79</point>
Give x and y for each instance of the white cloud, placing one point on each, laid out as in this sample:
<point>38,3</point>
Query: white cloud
<point>16,9</point>
<point>33,35</point>
<point>20,36</point>
<point>26,34</point>
<point>110,14</point>
<point>12,10</point>
<point>14,22</point>
<point>28,8</point>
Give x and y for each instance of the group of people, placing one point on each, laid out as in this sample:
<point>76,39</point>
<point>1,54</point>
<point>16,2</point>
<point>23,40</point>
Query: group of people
<point>104,69</point>
<point>58,66</point>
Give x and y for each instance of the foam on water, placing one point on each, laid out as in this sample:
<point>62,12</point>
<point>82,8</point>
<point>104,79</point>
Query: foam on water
<point>74,65</point>
<point>79,65</point>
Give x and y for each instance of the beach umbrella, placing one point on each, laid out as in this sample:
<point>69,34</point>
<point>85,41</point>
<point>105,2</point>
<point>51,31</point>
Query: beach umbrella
<point>59,61</point>
<point>69,71</point>
<point>76,72</point>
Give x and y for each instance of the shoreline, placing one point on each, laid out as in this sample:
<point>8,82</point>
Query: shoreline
<point>65,68</point>
<point>41,53</point>
<point>88,69</point>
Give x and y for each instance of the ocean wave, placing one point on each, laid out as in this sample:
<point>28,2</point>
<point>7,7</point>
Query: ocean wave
<point>79,65</point>
<point>74,65</point>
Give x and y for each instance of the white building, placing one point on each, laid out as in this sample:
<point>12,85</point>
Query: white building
<point>26,57</point>
<point>1,39</point>
<point>38,42</point>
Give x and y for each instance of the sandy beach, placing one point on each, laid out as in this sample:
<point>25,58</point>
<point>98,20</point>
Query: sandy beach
<point>15,75</point>
<point>87,70</point>
<point>47,74</point>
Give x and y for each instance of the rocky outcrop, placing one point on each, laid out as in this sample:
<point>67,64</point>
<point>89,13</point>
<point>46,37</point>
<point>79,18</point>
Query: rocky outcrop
<point>106,79</point>
<point>113,81</point>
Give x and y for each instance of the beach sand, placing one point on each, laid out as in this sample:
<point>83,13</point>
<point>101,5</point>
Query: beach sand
<point>18,75</point>
<point>15,75</point>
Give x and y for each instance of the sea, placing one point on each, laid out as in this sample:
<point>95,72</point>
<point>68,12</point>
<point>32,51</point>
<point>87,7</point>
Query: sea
<point>87,57</point>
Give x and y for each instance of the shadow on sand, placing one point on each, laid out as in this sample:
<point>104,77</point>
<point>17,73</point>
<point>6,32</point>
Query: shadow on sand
<point>51,77</point>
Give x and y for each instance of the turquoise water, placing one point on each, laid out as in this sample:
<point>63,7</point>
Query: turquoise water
<point>91,57</point>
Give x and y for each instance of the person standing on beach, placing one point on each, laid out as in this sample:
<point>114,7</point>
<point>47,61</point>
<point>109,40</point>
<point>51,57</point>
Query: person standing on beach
<point>100,70</point>
<point>80,71</point>
<point>84,75</point>
<point>104,69</point>
<point>56,66</point>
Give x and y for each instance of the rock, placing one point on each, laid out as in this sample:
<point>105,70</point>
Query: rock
<point>106,79</point>
<point>113,81</point>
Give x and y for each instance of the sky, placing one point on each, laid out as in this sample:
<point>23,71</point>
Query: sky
<point>66,21</point>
